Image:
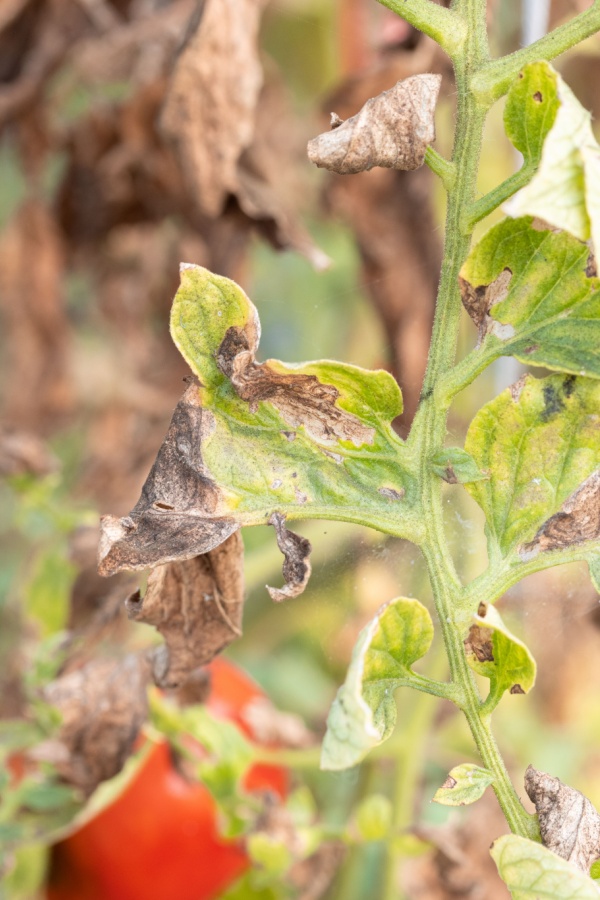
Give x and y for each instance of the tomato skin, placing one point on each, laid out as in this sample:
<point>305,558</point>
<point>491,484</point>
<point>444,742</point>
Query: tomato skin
<point>159,840</point>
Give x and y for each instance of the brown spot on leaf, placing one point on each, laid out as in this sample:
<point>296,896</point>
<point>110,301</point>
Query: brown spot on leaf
<point>516,389</point>
<point>516,689</point>
<point>479,644</point>
<point>103,707</point>
<point>569,824</point>
<point>391,493</point>
<point>301,399</point>
<point>449,783</point>
<point>577,521</point>
<point>174,517</point>
<point>392,130</point>
<point>196,604</point>
<point>296,566</point>
<point>479,300</point>
<point>591,269</point>
<point>538,97</point>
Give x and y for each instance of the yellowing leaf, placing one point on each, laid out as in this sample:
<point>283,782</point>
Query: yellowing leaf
<point>364,712</point>
<point>494,652</point>
<point>531,872</point>
<point>465,784</point>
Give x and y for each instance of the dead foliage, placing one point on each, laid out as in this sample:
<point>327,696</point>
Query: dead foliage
<point>197,606</point>
<point>296,566</point>
<point>577,521</point>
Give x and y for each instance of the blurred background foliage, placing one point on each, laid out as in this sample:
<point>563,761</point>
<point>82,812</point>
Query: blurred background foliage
<point>96,214</point>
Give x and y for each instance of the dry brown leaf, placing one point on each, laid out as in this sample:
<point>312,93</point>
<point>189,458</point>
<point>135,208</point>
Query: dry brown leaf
<point>392,130</point>
<point>569,824</point>
<point>478,301</point>
<point>103,707</point>
<point>577,521</point>
<point>209,110</point>
<point>172,519</point>
<point>197,606</point>
<point>296,565</point>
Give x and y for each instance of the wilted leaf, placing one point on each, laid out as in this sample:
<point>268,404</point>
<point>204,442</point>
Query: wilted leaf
<point>465,784</point>
<point>103,706</point>
<point>565,189</point>
<point>197,606</point>
<point>530,294</point>
<point>495,653</point>
<point>209,111</point>
<point>540,441</point>
<point>531,871</point>
<point>569,824</point>
<point>296,565</point>
<point>456,466</point>
<point>364,712</point>
<point>392,130</point>
<point>253,439</point>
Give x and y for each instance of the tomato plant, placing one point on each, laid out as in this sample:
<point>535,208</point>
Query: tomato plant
<point>160,837</point>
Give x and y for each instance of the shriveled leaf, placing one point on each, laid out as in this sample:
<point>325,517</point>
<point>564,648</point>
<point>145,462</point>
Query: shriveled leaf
<point>540,441</point>
<point>296,566</point>
<point>392,130</point>
<point>494,652</point>
<point>565,189</point>
<point>103,706</point>
<point>465,784</point>
<point>364,712</point>
<point>531,871</point>
<point>530,293</point>
<point>456,466</point>
<point>253,439</point>
<point>569,824</point>
<point>197,606</point>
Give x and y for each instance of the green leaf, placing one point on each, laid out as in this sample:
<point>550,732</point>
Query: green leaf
<point>312,440</point>
<point>269,853</point>
<point>565,191</point>
<point>531,107</point>
<point>456,466</point>
<point>494,652</point>
<point>540,441</point>
<point>532,872</point>
<point>374,817</point>
<point>364,712</point>
<point>46,796</point>
<point>530,294</point>
<point>465,784</point>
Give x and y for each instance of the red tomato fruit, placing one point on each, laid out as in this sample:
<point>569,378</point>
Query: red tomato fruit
<point>159,840</point>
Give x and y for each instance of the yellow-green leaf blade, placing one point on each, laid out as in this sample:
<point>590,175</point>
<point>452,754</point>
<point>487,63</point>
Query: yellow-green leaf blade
<point>532,872</point>
<point>465,784</point>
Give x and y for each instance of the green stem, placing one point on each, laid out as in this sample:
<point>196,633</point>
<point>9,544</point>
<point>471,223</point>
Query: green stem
<point>442,167</point>
<point>443,25</point>
<point>493,80</point>
<point>491,201</point>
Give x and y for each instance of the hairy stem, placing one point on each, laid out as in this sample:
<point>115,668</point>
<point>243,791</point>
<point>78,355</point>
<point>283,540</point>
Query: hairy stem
<point>439,23</point>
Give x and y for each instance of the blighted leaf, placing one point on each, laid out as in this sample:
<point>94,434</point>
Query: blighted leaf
<point>540,440</point>
<point>494,652</point>
<point>569,824</point>
<point>577,521</point>
<point>565,189</point>
<point>392,130</point>
<point>531,107</point>
<point>252,439</point>
<point>103,706</point>
<point>531,296</point>
<point>456,466</point>
<point>364,712</point>
<point>531,871</point>
<point>296,565</point>
<point>465,784</point>
<point>197,605</point>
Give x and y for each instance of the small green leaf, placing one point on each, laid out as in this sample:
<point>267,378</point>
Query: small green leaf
<point>531,871</point>
<point>540,441</point>
<point>530,294</point>
<point>46,796</point>
<point>565,189</point>
<point>465,784</point>
<point>364,712</point>
<point>531,107</point>
<point>269,853</point>
<point>494,652</point>
<point>374,817</point>
<point>456,466</point>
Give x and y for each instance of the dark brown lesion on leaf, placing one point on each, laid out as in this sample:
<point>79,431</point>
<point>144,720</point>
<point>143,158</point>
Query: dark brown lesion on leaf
<point>449,783</point>
<point>296,566</point>
<point>516,689</point>
<point>196,604</point>
<point>479,643</point>
<point>175,515</point>
<point>577,521</point>
<point>479,300</point>
<point>301,399</point>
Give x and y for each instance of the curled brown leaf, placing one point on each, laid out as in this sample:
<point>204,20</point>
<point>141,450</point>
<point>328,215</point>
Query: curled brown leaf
<point>103,707</point>
<point>296,565</point>
<point>569,824</point>
<point>196,604</point>
<point>392,130</point>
